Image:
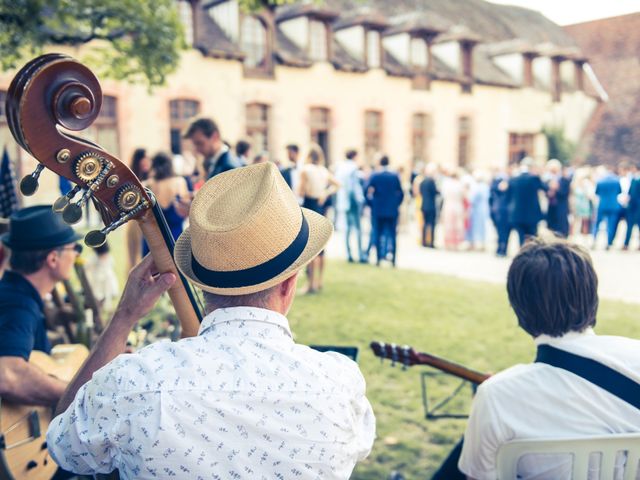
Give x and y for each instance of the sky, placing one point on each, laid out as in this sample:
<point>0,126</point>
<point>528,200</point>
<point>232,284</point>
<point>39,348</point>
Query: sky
<point>565,12</point>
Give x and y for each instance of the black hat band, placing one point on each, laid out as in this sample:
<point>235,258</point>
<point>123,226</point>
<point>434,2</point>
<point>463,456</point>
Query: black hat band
<point>258,274</point>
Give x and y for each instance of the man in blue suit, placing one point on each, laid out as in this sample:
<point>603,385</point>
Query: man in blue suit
<point>524,206</point>
<point>559,190</point>
<point>607,189</point>
<point>385,192</point>
<point>499,207</point>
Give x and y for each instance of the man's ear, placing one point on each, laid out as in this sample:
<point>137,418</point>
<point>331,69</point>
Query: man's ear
<point>52,258</point>
<point>288,287</point>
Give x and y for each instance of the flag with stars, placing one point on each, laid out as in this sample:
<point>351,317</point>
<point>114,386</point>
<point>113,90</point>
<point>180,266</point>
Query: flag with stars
<point>8,192</point>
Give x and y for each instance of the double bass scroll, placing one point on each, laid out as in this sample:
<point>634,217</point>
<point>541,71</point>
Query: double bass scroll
<point>54,95</point>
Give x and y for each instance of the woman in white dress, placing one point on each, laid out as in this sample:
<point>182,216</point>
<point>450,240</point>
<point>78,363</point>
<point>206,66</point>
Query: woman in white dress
<point>453,192</point>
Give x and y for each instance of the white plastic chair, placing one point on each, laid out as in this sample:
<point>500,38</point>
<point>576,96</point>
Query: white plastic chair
<point>605,457</point>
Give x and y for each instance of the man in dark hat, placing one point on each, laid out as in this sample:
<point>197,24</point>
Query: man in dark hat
<point>43,250</point>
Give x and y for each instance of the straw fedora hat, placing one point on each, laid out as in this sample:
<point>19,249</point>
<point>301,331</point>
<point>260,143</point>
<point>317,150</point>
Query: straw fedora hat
<point>247,233</point>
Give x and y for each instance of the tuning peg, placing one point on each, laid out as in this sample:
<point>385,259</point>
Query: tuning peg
<point>60,204</point>
<point>72,213</point>
<point>95,238</point>
<point>29,184</point>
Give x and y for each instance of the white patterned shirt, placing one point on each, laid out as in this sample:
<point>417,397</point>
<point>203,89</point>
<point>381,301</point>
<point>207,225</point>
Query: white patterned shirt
<point>239,401</point>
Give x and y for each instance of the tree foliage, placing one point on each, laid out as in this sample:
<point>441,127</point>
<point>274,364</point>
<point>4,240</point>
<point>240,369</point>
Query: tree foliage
<point>131,39</point>
<point>559,147</point>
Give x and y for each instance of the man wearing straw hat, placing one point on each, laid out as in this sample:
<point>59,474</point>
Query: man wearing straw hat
<point>241,400</point>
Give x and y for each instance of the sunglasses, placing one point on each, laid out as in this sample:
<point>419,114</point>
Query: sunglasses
<point>76,247</point>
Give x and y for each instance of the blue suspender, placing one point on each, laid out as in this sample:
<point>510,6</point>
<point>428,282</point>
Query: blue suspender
<point>595,372</point>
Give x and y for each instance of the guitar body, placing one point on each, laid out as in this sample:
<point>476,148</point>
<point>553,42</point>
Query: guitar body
<point>26,426</point>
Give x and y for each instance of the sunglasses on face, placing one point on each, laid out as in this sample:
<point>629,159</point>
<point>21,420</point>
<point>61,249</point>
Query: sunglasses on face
<point>76,247</point>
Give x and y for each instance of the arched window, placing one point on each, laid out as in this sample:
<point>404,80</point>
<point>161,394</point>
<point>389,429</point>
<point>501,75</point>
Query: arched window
<point>253,36</point>
<point>181,113</point>
<point>258,126</point>
<point>372,134</point>
<point>104,130</point>
<point>464,142</point>
<point>421,134</point>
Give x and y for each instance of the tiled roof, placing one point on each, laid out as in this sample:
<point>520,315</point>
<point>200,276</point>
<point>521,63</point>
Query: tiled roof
<point>359,15</point>
<point>294,10</point>
<point>211,40</point>
<point>497,29</point>
<point>487,72</point>
<point>343,60</point>
<point>417,22</point>
<point>288,52</point>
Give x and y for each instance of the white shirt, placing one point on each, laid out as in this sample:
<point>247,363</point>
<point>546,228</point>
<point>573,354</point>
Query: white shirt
<point>537,400</point>
<point>239,401</point>
<point>347,176</point>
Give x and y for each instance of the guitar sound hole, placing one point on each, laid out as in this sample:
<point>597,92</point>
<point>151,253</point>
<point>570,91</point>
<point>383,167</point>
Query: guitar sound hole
<point>32,464</point>
<point>46,461</point>
<point>43,446</point>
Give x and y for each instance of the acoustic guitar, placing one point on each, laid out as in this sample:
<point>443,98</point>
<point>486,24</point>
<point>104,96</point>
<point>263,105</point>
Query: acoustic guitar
<point>407,357</point>
<point>23,428</point>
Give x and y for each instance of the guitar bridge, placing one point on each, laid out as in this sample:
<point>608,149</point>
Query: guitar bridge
<point>33,423</point>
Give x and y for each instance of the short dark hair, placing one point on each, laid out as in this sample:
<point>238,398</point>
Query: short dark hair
<point>553,288</point>
<point>242,147</point>
<point>29,261</point>
<point>162,166</point>
<point>205,125</point>
<point>136,160</point>
<point>351,154</point>
<point>384,161</point>
<point>293,147</point>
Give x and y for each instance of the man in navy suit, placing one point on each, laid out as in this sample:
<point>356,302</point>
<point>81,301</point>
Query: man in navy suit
<point>385,192</point>
<point>205,136</point>
<point>607,189</point>
<point>559,189</point>
<point>499,208</point>
<point>524,206</point>
<point>633,207</point>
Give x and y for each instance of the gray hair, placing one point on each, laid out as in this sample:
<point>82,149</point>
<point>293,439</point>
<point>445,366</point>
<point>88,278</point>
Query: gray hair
<point>259,299</point>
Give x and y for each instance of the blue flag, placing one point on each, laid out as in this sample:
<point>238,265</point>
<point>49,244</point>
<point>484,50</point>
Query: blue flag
<point>8,191</point>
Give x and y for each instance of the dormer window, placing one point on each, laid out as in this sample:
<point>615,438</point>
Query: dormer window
<point>318,40</point>
<point>185,11</point>
<point>253,35</point>
<point>419,54</point>
<point>373,49</point>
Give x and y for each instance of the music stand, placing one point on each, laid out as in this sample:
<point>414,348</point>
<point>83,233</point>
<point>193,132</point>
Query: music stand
<point>431,413</point>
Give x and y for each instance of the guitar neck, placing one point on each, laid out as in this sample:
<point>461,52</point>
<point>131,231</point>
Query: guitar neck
<point>158,236</point>
<point>452,368</point>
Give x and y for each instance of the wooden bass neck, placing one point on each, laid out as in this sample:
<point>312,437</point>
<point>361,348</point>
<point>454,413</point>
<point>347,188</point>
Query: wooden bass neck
<point>160,241</point>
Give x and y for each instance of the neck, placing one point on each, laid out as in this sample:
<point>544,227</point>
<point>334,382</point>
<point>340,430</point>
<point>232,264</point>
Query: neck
<point>42,282</point>
<point>216,145</point>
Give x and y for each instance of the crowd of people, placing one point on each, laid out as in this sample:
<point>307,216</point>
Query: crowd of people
<point>359,198</point>
<point>571,201</point>
<point>242,399</point>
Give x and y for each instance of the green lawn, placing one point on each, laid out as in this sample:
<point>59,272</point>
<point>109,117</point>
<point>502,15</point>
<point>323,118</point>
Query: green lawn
<point>468,322</point>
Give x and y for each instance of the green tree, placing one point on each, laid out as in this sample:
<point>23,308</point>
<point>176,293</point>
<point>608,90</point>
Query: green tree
<point>133,40</point>
<point>559,147</point>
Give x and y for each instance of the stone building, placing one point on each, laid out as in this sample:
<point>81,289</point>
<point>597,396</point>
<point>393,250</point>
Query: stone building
<point>457,82</point>
<point>613,47</point>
